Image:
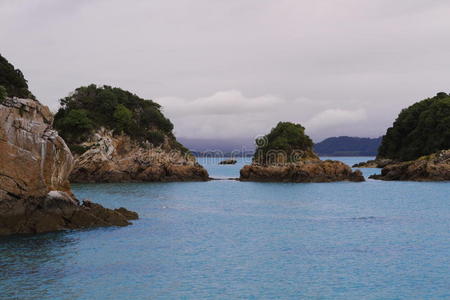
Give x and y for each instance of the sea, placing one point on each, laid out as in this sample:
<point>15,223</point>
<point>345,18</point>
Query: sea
<point>226,239</point>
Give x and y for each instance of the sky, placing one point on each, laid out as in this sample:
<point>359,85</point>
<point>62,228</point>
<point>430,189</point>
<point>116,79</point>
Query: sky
<point>233,69</point>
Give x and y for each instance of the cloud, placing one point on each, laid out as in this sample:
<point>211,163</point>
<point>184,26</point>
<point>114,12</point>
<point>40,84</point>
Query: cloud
<point>335,117</point>
<point>231,114</point>
<point>257,61</point>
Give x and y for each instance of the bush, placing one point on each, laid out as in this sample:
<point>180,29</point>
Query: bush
<point>284,141</point>
<point>3,94</point>
<point>156,137</point>
<point>13,80</point>
<point>421,129</point>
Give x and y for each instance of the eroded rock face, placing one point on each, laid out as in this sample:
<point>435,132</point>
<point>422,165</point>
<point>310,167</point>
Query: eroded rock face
<point>112,158</point>
<point>304,171</point>
<point>35,164</point>
<point>435,167</point>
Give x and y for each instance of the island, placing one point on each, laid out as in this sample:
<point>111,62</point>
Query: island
<point>286,155</point>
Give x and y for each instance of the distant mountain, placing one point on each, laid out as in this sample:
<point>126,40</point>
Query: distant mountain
<point>348,146</point>
<point>221,147</point>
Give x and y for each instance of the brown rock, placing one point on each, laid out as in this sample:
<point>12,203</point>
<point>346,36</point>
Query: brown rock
<point>117,158</point>
<point>435,167</point>
<point>375,163</point>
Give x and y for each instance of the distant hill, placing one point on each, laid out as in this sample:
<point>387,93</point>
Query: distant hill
<point>348,146</point>
<point>223,147</point>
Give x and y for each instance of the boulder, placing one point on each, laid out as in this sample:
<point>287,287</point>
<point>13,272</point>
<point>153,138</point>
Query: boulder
<point>228,162</point>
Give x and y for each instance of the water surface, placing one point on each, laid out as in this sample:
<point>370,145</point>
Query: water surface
<point>226,239</point>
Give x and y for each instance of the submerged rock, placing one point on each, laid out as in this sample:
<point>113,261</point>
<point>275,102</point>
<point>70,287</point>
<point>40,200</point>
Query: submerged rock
<point>118,158</point>
<point>228,162</point>
<point>35,164</point>
<point>435,167</point>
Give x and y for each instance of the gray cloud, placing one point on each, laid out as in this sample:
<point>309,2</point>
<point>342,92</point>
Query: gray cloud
<point>337,66</point>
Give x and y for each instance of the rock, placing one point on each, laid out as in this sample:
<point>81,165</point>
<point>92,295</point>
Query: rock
<point>118,158</point>
<point>375,163</point>
<point>228,162</point>
<point>435,167</point>
<point>305,171</point>
<point>35,164</point>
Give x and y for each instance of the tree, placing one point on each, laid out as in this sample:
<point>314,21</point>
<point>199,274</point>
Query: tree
<point>123,117</point>
<point>93,107</point>
<point>421,129</point>
<point>75,126</point>
<point>3,93</point>
<point>13,80</point>
<point>287,142</point>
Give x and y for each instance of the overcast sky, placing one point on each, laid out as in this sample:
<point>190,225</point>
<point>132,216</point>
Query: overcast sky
<point>233,69</point>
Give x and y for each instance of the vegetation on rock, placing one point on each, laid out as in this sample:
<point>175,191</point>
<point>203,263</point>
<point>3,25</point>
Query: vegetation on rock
<point>3,93</point>
<point>421,129</point>
<point>287,142</point>
<point>12,81</point>
<point>92,107</point>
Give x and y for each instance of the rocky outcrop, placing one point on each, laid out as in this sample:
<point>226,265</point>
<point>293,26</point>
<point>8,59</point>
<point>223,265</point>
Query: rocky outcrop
<point>375,163</point>
<point>303,171</point>
<point>35,164</point>
<point>118,158</point>
<point>228,162</point>
<point>435,167</point>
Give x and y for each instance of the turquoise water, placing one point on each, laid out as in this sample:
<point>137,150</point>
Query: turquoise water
<point>226,239</point>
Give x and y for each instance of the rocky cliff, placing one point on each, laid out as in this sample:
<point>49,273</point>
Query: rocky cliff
<point>35,164</point>
<point>435,167</point>
<point>118,158</point>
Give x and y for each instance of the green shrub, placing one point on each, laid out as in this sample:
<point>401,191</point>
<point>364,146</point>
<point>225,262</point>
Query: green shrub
<point>13,80</point>
<point>156,137</point>
<point>421,129</point>
<point>286,140</point>
<point>3,94</point>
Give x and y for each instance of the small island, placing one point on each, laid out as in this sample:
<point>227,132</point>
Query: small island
<point>286,155</point>
<point>117,136</point>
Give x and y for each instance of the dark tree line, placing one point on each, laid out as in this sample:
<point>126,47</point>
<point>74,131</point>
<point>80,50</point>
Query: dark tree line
<point>421,129</point>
